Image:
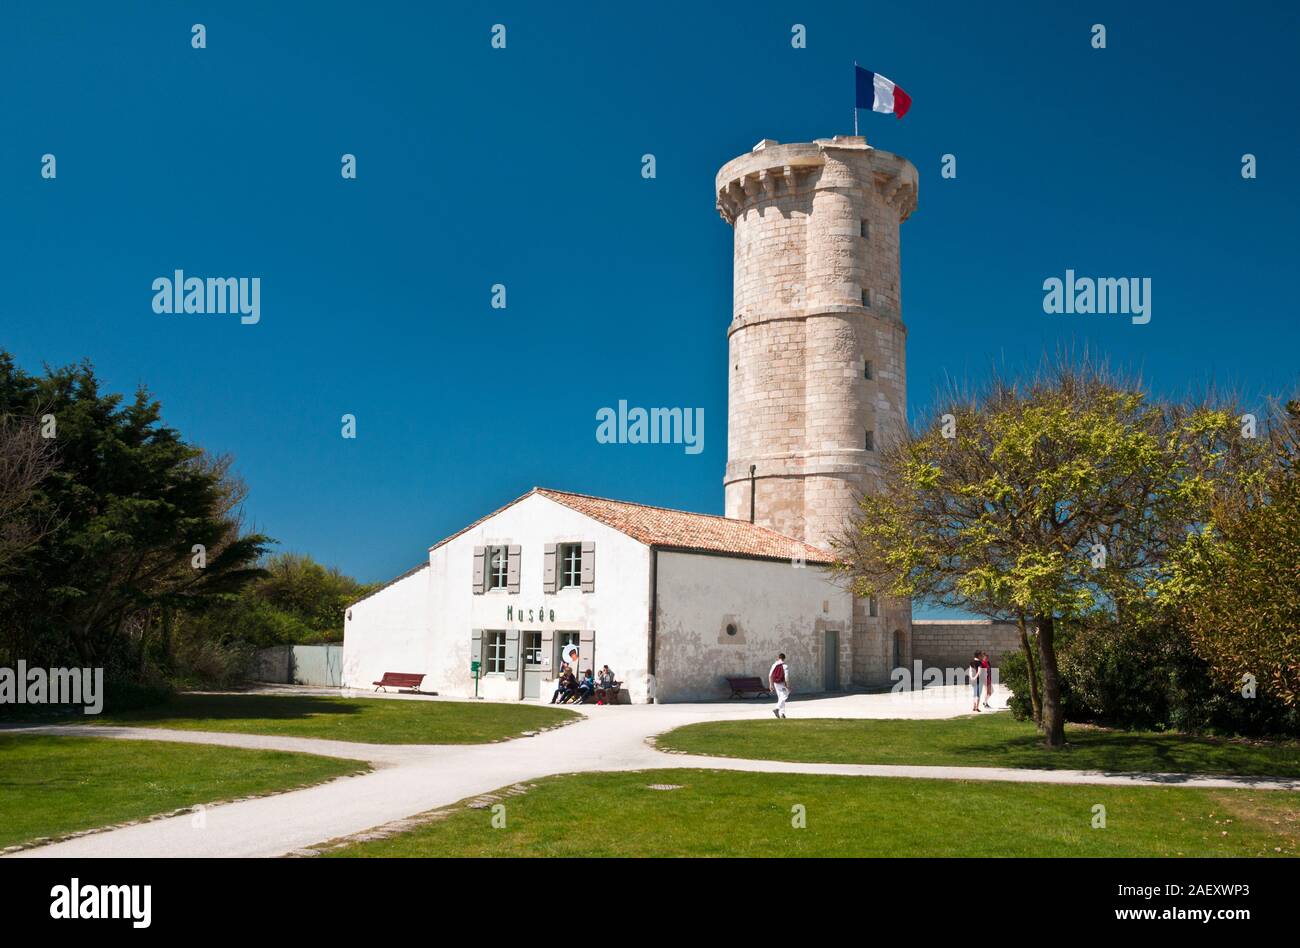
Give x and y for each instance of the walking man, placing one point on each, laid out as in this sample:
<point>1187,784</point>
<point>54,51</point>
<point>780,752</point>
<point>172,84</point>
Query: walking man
<point>778,679</point>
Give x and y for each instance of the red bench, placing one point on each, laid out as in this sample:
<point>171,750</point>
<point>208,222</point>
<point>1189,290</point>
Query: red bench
<point>399,680</point>
<point>741,685</point>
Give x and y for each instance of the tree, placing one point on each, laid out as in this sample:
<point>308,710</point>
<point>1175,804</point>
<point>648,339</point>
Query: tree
<point>134,504</point>
<point>26,459</point>
<point>1044,501</point>
<point>297,601</point>
<point>1236,583</point>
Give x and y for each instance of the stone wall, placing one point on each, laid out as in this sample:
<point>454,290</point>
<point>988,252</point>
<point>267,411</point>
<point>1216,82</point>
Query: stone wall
<point>719,616</point>
<point>949,643</point>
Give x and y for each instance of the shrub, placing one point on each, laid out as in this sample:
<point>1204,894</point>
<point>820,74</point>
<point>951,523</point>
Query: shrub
<point>125,694</point>
<point>199,661</point>
<point>1146,677</point>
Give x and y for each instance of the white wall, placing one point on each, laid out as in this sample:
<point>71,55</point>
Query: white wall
<point>388,632</point>
<point>439,638</point>
<point>775,607</point>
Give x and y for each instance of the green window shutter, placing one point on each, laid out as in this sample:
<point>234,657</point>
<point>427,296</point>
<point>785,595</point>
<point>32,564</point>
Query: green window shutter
<point>550,575</point>
<point>588,567</point>
<point>512,654</point>
<point>480,570</point>
<point>512,569</point>
<point>476,648</point>
<point>587,649</point>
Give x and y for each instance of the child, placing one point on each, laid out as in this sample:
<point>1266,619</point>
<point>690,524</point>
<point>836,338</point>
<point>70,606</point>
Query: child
<point>586,687</point>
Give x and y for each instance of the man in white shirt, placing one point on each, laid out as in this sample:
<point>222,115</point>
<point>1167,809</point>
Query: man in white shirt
<point>778,679</point>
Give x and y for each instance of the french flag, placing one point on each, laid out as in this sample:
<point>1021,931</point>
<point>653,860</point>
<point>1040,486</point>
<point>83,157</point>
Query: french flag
<point>877,93</point>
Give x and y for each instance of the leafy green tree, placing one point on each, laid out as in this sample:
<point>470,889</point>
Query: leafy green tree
<point>297,601</point>
<point>146,525</point>
<point>1236,583</point>
<point>1048,501</point>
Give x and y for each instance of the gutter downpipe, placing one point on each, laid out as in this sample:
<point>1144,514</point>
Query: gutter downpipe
<point>654,613</point>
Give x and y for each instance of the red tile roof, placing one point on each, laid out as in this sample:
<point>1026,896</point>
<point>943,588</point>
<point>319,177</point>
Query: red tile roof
<point>680,529</point>
<point>676,529</point>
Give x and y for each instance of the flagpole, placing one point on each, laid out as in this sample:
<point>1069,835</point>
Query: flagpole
<point>855,98</point>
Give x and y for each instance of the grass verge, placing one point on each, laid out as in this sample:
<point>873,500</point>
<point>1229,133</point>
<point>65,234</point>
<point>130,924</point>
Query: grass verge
<point>52,786</point>
<point>731,813</point>
<point>991,740</point>
<point>364,720</point>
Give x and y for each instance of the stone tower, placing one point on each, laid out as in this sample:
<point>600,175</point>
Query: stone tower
<point>817,373</point>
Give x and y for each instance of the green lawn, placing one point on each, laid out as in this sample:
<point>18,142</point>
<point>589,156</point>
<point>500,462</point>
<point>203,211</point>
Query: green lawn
<point>366,720</point>
<point>720,813</point>
<point>51,785</point>
<point>991,740</point>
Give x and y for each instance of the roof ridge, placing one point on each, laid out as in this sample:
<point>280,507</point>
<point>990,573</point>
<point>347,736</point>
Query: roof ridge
<point>690,513</point>
<point>673,510</point>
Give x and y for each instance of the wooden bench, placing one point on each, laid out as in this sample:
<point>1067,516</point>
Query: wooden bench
<point>741,685</point>
<point>399,680</point>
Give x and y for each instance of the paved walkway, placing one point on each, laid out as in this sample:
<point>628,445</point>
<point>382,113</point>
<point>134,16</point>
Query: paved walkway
<point>411,779</point>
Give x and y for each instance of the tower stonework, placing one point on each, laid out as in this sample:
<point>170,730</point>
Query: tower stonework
<point>817,367</point>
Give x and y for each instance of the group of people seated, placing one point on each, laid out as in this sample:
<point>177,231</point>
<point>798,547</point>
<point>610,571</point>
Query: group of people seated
<point>572,689</point>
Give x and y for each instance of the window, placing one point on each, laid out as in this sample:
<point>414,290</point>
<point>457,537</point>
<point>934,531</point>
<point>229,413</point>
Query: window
<point>731,629</point>
<point>868,371</point>
<point>532,648</point>
<point>872,609</point>
<point>570,565</point>
<point>866,298</point>
<point>498,566</point>
<point>871,441</point>
<point>496,653</point>
<point>866,230</point>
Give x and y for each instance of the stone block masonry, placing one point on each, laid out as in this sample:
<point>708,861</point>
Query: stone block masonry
<point>949,643</point>
<point>817,368</point>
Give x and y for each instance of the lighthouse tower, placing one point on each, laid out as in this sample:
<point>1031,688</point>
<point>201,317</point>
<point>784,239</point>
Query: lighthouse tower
<point>817,370</point>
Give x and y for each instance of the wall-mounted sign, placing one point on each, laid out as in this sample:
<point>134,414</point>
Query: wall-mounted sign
<point>530,615</point>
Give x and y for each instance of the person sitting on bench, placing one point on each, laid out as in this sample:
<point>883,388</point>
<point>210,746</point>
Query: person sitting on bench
<point>606,687</point>
<point>586,687</point>
<point>564,686</point>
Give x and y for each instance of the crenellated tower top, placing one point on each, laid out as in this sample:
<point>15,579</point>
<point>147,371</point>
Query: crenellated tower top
<point>771,170</point>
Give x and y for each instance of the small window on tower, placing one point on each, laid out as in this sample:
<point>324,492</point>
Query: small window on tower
<point>868,371</point>
<point>865,231</point>
<point>866,298</point>
<point>872,609</point>
<point>871,441</point>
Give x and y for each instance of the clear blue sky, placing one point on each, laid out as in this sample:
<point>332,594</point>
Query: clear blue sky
<point>522,167</point>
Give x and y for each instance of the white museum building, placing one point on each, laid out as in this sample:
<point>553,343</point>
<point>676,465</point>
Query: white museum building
<point>673,602</point>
